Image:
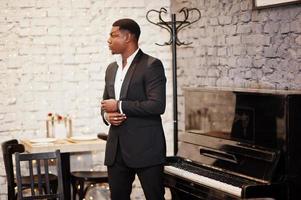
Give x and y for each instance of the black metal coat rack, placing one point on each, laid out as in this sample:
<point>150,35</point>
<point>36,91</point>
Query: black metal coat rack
<point>173,27</point>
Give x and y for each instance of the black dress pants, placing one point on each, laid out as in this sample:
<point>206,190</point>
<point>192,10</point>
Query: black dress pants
<point>121,178</point>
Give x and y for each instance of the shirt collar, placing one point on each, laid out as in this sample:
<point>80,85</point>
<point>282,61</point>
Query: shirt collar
<point>129,60</point>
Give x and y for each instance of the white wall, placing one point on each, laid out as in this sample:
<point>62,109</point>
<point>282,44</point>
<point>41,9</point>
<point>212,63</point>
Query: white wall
<point>236,45</point>
<point>53,55</point>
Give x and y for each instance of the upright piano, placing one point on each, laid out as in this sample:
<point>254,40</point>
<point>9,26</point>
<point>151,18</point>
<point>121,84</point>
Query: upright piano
<point>237,144</point>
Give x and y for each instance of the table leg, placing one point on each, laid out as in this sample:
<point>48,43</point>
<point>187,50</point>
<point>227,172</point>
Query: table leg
<point>65,159</point>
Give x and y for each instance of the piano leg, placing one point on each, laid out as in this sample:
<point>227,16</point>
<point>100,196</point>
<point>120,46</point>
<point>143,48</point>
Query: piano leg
<point>181,195</point>
<point>275,191</point>
<point>174,194</point>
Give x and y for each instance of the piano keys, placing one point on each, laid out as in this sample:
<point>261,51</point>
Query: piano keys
<point>237,144</point>
<point>206,177</point>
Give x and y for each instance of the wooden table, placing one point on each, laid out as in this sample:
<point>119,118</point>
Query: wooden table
<point>66,147</point>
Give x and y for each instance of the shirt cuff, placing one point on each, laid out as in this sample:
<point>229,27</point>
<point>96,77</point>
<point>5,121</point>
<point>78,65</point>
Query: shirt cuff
<point>120,107</point>
<point>105,115</point>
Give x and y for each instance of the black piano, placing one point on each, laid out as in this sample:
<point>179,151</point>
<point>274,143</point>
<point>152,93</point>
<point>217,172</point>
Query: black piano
<point>237,144</point>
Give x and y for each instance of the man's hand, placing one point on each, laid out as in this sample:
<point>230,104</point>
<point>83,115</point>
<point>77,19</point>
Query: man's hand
<point>109,105</point>
<point>115,118</point>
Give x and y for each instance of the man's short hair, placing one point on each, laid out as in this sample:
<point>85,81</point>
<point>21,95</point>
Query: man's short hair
<point>129,25</point>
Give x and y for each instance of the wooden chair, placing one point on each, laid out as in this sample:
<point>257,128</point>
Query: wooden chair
<point>38,166</point>
<point>81,180</point>
<point>9,148</point>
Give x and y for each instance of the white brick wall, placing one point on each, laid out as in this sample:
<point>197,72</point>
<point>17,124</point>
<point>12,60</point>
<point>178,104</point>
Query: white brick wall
<point>236,45</point>
<point>53,55</point>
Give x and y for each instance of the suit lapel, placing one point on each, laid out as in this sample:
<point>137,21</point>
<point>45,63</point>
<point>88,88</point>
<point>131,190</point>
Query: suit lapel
<point>112,80</point>
<point>129,75</point>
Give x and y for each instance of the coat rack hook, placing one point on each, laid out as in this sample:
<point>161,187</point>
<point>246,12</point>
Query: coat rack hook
<point>174,24</point>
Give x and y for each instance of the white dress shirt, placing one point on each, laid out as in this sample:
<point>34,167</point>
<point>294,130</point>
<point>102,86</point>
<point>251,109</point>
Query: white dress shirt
<point>120,74</point>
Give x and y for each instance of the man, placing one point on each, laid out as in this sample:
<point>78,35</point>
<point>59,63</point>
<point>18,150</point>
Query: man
<point>133,100</point>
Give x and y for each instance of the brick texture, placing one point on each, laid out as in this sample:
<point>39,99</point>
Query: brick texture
<point>236,45</point>
<point>53,55</point>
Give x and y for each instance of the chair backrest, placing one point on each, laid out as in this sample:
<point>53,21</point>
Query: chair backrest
<point>102,136</point>
<point>9,148</point>
<point>40,186</point>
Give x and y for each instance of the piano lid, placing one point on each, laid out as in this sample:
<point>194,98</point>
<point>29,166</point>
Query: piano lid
<point>257,117</point>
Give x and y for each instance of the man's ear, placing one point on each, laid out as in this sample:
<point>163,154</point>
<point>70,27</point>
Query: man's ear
<point>129,37</point>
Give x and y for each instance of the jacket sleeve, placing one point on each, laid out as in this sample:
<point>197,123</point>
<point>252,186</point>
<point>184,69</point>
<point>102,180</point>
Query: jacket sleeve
<point>105,96</point>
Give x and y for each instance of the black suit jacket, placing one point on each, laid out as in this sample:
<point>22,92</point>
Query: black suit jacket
<point>143,95</point>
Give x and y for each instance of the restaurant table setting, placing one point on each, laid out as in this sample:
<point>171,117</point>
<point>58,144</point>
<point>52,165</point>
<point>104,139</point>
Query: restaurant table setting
<point>59,136</point>
<point>53,141</point>
<point>78,143</point>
